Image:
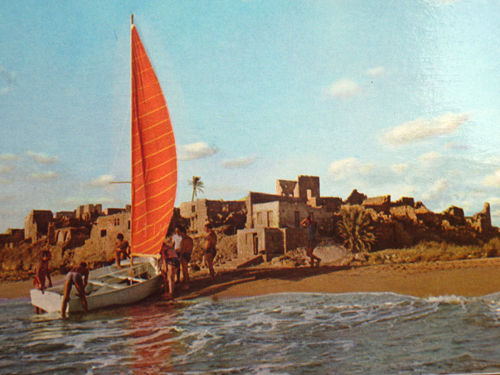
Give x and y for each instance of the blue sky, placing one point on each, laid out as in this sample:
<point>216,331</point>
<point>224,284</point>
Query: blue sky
<point>387,97</point>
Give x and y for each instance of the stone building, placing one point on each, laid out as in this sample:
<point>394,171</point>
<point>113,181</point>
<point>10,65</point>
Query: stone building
<point>104,231</point>
<point>89,212</point>
<point>273,221</point>
<point>36,224</point>
<point>202,211</point>
<point>11,237</point>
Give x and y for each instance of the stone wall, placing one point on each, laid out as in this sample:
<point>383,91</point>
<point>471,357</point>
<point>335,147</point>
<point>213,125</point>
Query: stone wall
<point>103,235</point>
<point>88,212</point>
<point>285,188</point>
<point>201,211</point>
<point>307,187</point>
<point>36,224</point>
<point>255,198</point>
<point>250,242</point>
<point>379,204</point>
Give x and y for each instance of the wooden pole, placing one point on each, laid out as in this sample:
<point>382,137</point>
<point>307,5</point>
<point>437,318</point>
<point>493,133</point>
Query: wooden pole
<point>131,19</point>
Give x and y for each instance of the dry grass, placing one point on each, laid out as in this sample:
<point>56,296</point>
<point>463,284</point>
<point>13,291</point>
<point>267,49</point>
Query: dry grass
<point>434,251</point>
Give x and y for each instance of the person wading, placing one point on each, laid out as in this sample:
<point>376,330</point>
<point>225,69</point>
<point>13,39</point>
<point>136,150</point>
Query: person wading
<point>79,277</point>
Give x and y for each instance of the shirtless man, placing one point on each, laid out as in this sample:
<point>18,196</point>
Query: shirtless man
<point>78,276</point>
<point>169,265</point>
<point>185,256</point>
<point>42,271</point>
<point>122,248</point>
<point>210,249</point>
<point>176,244</point>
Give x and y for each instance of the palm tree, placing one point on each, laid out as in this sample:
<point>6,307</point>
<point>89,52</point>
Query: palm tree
<point>197,185</point>
<point>356,229</point>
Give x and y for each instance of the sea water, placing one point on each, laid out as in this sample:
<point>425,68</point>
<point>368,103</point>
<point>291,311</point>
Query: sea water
<point>305,333</point>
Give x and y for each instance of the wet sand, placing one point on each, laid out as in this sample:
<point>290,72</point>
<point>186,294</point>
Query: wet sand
<point>468,278</point>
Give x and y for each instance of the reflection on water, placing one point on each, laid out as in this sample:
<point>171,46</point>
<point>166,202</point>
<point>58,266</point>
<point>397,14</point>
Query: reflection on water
<point>275,334</point>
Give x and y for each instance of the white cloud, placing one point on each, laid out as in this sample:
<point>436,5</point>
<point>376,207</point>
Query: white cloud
<point>436,189</point>
<point>103,180</point>
<point>8,157</point>
<point>421,129</point>
<point>494,200</point>
<point>343,88</point>
<point>341,169</point>
<point>239,162</point>
<point>399,168</point>
<point>376,72</point>
<point>195,151</point>
<point>430,156</point>
<point>45,176</point>
<point>496,213</point>
<point>409,190</point>
<point>493,179</point>
<point>42,158</point>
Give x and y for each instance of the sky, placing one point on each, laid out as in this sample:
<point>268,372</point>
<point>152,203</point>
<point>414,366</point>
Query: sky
<point>386,97</point>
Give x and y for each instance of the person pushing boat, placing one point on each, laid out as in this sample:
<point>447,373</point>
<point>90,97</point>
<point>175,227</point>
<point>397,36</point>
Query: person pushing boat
<point>79,277</point>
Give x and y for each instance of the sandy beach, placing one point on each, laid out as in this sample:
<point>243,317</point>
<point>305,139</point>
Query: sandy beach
<point>469,278</point>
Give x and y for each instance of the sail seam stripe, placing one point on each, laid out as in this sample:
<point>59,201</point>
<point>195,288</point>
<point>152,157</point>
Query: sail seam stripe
<point>140,217</point>
<point>167,190</point>
<point>156,153</point>
<point>150,182</point>
<point>138,133</point>
<point>153,111</point>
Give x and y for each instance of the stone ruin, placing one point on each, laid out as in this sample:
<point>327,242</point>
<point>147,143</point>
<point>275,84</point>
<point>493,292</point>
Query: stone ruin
<point>273,221</point>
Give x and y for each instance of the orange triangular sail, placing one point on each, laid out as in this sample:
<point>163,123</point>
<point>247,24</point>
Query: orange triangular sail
<point>154,160</point>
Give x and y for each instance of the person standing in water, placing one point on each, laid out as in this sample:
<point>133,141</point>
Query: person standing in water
<point>79,277</point>
<point>43,271</point>
<point>169,263</point>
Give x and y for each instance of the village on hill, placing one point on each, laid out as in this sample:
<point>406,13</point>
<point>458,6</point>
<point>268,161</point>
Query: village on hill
<point>255,230</point>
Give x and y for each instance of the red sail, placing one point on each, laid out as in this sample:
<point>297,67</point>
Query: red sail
<point>154,160</point>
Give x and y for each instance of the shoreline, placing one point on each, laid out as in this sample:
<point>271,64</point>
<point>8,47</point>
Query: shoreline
<point>467,278</point>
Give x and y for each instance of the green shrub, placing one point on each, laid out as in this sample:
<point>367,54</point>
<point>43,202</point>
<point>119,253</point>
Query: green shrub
<point>355,228</point>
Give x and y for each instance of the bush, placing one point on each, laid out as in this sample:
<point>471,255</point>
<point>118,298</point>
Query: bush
<point>356,229</point>
<point>492,248</point>
<point>435,251</point>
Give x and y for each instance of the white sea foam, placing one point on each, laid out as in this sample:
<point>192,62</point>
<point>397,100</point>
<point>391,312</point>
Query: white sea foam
<point>277,334</point>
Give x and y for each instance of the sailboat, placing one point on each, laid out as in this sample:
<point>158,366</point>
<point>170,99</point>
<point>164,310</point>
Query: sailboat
<point>154,185</point>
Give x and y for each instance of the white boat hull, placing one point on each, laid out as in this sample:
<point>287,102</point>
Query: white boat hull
<point>107,286</point>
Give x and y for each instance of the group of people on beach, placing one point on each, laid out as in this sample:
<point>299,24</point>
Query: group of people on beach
<point>174,259</point>
<point>77,276</point>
